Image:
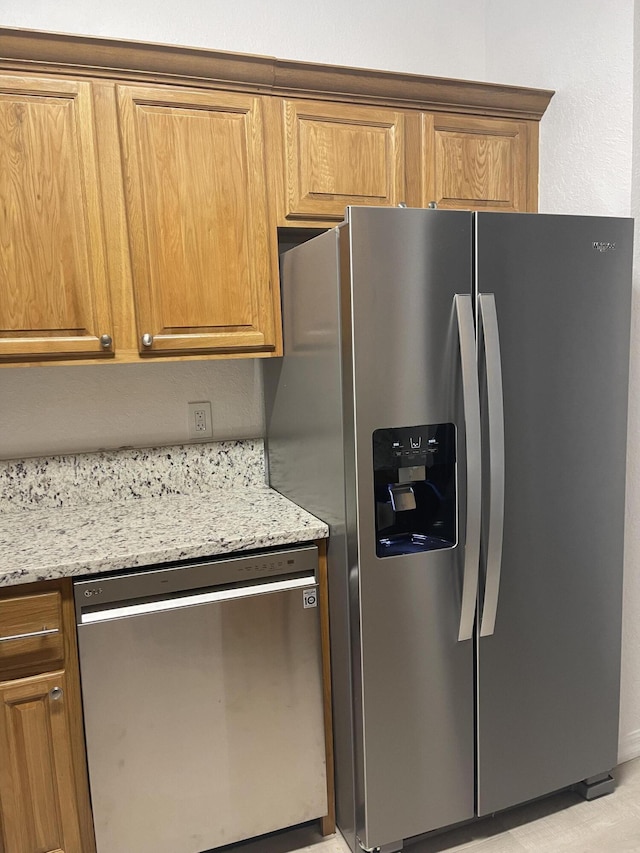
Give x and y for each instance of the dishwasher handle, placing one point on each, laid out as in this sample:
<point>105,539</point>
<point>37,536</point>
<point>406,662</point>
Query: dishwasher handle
<point>119,610</point>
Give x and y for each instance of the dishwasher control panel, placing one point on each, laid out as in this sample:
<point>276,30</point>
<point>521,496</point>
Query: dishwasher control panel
<point>162,581</point>
<point>264,565</point>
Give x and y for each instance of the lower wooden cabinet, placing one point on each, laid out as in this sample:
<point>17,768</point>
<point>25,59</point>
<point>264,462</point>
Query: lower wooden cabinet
<point>37,791</point>
<point>44,797</point>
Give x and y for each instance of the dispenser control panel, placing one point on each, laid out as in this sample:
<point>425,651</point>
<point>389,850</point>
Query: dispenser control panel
<point>406,446</point>
<point>415,488</point>
<point>414,448</point>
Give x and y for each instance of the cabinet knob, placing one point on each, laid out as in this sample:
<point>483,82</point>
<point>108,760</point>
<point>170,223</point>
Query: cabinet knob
<point>106,341</point>
<point>147,340</point>
<point>55,693</point>
<point>433,205</point>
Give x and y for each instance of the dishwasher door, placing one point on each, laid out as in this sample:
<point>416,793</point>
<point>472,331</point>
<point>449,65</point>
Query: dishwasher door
<point>203,706</point>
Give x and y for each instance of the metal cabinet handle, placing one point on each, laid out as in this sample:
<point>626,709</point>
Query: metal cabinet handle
<point>56,693</point>
<point>471,402</point>
<point>147,340</point>
<point>106,341</point>
<point>495,411</point>
<point>44,633</point>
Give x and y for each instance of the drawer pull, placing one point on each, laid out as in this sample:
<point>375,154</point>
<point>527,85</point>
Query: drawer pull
<point>46,632</point>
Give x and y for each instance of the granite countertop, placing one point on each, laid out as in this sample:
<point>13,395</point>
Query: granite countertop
<point>42,544</point>
<point>58,530</point>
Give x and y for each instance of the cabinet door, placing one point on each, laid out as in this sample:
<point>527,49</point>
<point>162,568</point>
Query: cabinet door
<point>204,273</point>
<point>479,163</point>
<point>54,290</point>
<point>38,812</point>
<point>335,155</point>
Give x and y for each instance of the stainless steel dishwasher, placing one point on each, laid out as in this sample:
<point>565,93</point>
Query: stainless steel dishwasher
<point>202,694</point>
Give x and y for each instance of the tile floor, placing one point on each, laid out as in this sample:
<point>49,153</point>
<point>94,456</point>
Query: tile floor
<point>564,823</point>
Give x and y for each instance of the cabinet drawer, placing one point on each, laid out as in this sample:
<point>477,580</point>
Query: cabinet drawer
<point>31,632</point>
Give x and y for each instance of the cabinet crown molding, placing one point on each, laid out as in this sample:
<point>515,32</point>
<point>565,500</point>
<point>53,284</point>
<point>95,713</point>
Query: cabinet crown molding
<point>61,53</point>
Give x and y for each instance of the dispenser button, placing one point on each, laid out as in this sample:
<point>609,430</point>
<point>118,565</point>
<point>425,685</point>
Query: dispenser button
<point>402,497</point>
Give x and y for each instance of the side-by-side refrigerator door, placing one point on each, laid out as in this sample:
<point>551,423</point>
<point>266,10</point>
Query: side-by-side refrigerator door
<point>554,302</point>
<point>414,533</point>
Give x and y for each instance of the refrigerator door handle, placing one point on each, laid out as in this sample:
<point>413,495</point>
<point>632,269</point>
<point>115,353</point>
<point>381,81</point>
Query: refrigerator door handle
<point>471,402</point>
<point>495,410</point>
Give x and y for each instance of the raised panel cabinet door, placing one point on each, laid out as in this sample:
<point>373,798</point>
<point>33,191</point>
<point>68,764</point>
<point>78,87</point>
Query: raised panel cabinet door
<point>203,269</point>
<point>54,297</point>
<point>336,155</point>
<point>38,812</point>
<point>479,163</point>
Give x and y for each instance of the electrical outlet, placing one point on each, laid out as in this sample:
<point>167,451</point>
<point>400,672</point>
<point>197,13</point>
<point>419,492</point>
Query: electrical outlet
<point>200,424</point>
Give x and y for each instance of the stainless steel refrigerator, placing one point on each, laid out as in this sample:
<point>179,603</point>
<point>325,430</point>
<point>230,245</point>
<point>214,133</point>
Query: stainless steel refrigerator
<point>453,402</point>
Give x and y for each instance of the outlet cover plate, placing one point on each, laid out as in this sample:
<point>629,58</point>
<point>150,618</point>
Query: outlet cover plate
<point>200,423</point>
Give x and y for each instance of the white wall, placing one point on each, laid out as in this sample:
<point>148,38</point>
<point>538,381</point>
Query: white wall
<point>630,717</point>
<point>584,50</point>
<point>50,410</point>
<point>420,36</point>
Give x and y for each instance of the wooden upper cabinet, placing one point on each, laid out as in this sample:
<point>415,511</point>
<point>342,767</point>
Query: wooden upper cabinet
<point>334,155</point>
<point>479,163</point>
<point>195,187</point>
<point>141,189</point>
<point>54,299</point>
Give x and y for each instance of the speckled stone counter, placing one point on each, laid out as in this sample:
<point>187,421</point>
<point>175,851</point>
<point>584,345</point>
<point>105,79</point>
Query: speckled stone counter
<point>79,515</point>
<point>122,475</point>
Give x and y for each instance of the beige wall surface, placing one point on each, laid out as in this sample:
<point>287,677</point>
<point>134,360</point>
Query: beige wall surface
<point>419,36</point>
<point>50,410</point>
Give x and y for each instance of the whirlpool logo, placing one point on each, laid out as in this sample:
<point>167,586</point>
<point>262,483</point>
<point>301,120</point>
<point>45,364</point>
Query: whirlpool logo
<point>603,247</point>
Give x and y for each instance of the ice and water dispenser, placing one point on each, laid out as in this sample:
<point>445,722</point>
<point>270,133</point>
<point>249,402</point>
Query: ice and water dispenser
<point>415,488</point>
